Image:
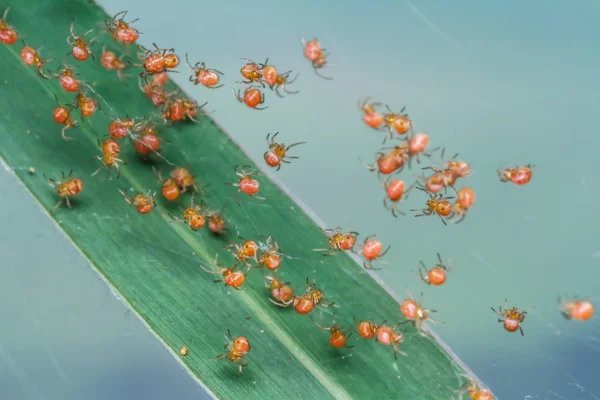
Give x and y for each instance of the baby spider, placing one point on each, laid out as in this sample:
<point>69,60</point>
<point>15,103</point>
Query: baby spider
<point>169,187</point>
<point>338,337</point>
<point>512,317</point>
<point>271,256</point>
<point>66,188</point>
<point>81,48</point>
<point>395,194</point>
<point>395,121</point>
<point>62,115</point>
<point>316,55</point>
<point>390,336</point>
<point>207,77</point>
<point>142,203</point>
<point>216,222</point>
<point>87,105</point>
<point>253,97</point>
<point>110,157</point>
<point>243,253</point>
<point>253,72</point>
<point>247,183</point>
<point>120,30</point>
<point>437,274</point>
<point>231,277</point>
<point>388,163</point>
<point>147,141</point>
<point>416,146</point>
<point>466,197</point>
<point>436,205</point>
<point>368,329</point>
<point>471,388</point>
<point>371,117</point>
<point>519,176</point>
<point>278,81</point>
<point>579,310</point>
<point>181,109</point>
<point>415,313</point>
<point>236,349</point>
<point>306,303</point>
<point>8,35</point>
<point>110,61</point>
<point>192,215</point>
<point>156,61</point>
<point>67,79</point>
<point>371,250</point>
<point>277,152</point>
<point>338,241</point>
<point>31,56</point>
<point>281,291</point>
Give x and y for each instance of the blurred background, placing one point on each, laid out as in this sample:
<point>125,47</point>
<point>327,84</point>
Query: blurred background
<point>500,83</point>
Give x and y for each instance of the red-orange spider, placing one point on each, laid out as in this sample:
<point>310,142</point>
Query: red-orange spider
<point>578,310</point>
<point>120,30</point>
<point>372,251</point>
<point>436,205</point>
<point>278,81</point>
<point>143,203</point>
<point>235,351</point>
<point>110,61</point>
<point>119,129</point>
<point>66,188</point>
<point>62,115</point>
<point>316,55</point>
<point>271,255</point>
<point>338,241</point>
<point>207,77</point>
<point>437,274</point>
<point>147,141</point>
<point>512,317</point>
<point>519,176</point>
<point>253,97</point>
<point>87,105</point>
<point>31,56</point>
<point>169,187</point>
<point>193,216</point>
<point>338,337</point>
<point>247,183</point>
<point>371,116</point>
<point>67,79</point>
<point>306,303</point>
<point>277,152</point>
<point>8,35</point>
<point>473,390</point>
<point>253,72</point>
<point>387,335</point>
<point>396,193</point>
<point>368,329</point>
<point>81,48</point>
<point>156,61</point>
<point>185,180</point>
<point>466,198</point>
<point>243,253</point>
<point>216,221</point>
<point>110,157</point>
<point>157,94</point>
<point>281,291</point>
<point>181,109</point>
<point>231,277</point>
<point>414,312</point>
<point>396,121</point>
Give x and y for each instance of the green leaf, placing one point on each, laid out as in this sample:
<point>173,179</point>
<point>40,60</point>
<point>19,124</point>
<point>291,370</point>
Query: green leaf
<point>155,264</point>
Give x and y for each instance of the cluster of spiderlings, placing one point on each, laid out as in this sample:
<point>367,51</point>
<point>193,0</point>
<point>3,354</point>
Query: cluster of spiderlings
<point>256,76</point>
<point>172,107</point>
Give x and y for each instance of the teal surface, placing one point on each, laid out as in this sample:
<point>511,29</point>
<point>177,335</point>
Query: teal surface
<point>510,83</point>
